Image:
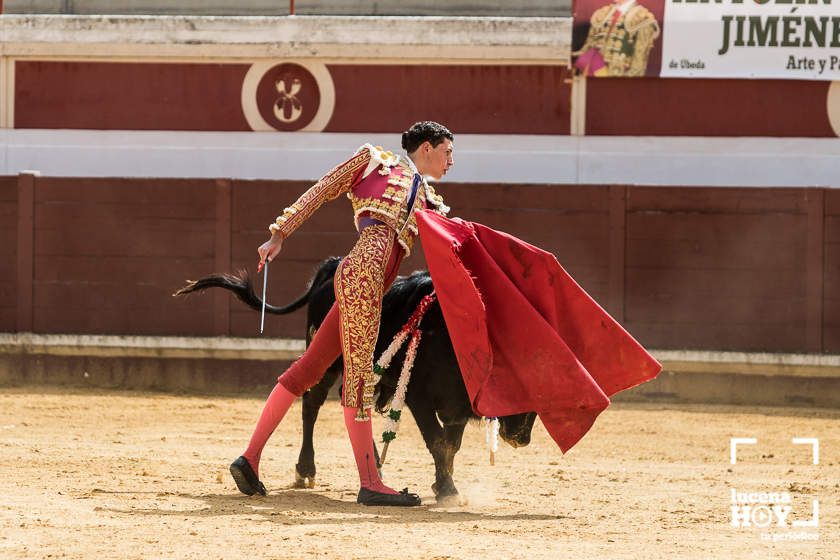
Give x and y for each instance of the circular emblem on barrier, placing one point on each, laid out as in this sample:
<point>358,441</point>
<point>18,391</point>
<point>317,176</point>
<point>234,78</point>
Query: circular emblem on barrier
<point>833,106</point>
<point>288,96</point>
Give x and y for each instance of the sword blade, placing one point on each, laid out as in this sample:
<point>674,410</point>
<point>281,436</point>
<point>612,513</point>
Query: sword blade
<point>265,286</point>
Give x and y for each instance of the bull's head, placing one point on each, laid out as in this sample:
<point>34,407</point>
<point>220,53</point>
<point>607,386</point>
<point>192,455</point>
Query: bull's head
<point>516,429</point>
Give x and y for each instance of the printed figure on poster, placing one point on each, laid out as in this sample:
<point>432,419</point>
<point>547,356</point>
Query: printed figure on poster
<point>617,38</point>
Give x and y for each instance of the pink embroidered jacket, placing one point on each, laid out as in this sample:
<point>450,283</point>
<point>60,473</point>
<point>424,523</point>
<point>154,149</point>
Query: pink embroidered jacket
<point>378,184</point>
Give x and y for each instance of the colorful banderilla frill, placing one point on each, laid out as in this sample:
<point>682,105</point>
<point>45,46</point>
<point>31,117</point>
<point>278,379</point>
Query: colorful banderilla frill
<point>412,328</point>
<point>491,436</point>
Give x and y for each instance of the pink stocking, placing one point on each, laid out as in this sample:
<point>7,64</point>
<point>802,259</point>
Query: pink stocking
<point>278,402</point>
<point>361,438</point>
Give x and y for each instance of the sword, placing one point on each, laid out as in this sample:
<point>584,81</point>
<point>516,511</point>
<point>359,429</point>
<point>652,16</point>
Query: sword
<point>265,285</point>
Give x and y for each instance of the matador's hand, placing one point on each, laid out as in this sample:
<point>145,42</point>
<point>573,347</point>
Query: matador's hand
<point>270,249</point>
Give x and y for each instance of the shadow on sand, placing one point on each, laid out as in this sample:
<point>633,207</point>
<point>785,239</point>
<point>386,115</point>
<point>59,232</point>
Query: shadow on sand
<point>301,507</point>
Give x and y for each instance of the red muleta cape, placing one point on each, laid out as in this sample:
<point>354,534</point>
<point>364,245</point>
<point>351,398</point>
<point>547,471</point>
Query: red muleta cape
<point>527,337</point>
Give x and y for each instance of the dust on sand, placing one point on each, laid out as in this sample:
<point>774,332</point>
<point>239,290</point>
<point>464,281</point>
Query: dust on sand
<point>140,475</point>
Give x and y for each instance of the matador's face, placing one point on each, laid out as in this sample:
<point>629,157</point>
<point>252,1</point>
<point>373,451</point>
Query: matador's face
<point>438,159</point>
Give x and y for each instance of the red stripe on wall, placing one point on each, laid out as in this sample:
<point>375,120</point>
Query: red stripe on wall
<point>468,99</point>
<point>697,107</point>
<point>129,96</point>
<point>369,98</point>
<point>480,99</point>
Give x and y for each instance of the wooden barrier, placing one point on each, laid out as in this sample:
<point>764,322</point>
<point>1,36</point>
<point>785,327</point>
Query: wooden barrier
<point>746,269</point>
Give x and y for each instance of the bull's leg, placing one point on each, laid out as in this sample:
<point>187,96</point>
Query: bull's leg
<point>323,347</point>
<point>312,401</point>
<point>453,434</point>
<point>433,435</point>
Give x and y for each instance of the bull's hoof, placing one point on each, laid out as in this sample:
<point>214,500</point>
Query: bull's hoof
<point>445,490</point>
<point>303,481</point>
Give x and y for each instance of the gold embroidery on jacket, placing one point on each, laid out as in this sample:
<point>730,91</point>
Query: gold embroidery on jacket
<point>337,181</point>
<point>436,201</point>
<point>389,208</point>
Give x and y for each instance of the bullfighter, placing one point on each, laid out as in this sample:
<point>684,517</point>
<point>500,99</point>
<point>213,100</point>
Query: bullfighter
<point>386,191</point>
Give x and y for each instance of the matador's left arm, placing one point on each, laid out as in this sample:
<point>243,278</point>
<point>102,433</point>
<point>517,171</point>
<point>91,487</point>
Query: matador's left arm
<point>338,181</point>
<point>642,24</point>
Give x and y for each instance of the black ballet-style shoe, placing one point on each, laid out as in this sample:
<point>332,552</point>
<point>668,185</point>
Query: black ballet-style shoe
<point>368,497</point>
<point>245,478</point>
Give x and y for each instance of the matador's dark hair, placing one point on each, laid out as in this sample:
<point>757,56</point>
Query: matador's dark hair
<point>423,131</point>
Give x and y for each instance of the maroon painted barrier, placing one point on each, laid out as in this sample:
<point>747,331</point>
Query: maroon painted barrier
<point>723,268</point>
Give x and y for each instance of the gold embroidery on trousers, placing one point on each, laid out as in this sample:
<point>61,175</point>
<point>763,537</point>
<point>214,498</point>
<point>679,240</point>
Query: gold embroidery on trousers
<point>359,287</point>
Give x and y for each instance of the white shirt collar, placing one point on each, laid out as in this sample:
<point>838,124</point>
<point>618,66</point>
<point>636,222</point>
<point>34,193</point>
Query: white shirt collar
<point>414,169</point>
<point>410,163</point>
<point>625,6</point>
<point>412,166</point>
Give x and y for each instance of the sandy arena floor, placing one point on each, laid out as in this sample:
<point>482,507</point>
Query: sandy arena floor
<point>130,475</point>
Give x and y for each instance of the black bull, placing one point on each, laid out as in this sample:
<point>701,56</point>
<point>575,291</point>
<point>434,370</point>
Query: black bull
<point>436,395</point>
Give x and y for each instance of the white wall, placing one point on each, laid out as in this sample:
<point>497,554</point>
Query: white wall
<point>758,162</point>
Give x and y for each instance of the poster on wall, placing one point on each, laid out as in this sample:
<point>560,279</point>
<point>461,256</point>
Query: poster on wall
<point>618,38</point>
<point>782,39</point>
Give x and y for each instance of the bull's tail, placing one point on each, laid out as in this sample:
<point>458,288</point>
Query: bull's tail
<point>242,287</point>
